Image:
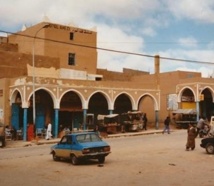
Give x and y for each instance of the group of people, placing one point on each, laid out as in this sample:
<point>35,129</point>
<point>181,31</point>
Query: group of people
<point>193,131</point>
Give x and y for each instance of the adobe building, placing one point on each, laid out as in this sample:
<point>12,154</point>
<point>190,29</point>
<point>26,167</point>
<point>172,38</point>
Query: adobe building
<point>48,72</point>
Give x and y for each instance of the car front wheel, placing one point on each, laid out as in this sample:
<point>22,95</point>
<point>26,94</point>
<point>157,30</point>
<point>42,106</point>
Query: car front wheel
<point>55,158</point>
<point>210,148</point>
<point>74,160</point>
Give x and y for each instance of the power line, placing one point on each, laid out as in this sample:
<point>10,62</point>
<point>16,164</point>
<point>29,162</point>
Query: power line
<point>110,50</point>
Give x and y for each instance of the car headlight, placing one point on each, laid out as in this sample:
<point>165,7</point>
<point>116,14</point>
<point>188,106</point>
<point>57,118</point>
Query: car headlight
<point>106,149</point>
<point>85,151</point>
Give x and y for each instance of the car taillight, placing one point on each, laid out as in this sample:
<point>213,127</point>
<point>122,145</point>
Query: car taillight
<point>106,149</point>
<point>85,151</point>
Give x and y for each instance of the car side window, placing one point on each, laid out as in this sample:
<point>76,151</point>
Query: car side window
<point>64,140</point>
<point>95,137</point>
<point>69,140</point>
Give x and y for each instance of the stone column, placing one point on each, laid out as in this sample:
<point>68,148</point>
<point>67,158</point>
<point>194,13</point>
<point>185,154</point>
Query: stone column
<point>156,120</point>
<point>84,118</point>
<point>24,124</point>
<point>56,123</point>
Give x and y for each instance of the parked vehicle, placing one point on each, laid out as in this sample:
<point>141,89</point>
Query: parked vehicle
<point>183,117</point>
<point>109,123</point>
<point>2,135</point>
<point>81,146</point>
<point>132,121</point>
<point>208,144</point>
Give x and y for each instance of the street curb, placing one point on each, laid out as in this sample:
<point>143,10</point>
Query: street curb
<point>16,144</point>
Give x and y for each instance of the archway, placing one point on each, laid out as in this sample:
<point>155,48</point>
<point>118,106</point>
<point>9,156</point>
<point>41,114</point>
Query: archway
<point>44,109</point>
<point>98,105</point>
<point>147,106</point>
<point>70,112</point>
<point>187,99</point>
<point>206,105</point>
<point>17,111</point>
<point>122,104</point>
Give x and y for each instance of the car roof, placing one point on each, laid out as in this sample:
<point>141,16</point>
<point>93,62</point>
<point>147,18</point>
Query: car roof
<point>78,133</point>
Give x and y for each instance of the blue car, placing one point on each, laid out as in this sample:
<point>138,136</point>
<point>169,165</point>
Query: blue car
<point>80,146</point>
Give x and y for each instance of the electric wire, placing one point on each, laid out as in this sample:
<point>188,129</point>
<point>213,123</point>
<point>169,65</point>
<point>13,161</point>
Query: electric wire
<point>110,50</point>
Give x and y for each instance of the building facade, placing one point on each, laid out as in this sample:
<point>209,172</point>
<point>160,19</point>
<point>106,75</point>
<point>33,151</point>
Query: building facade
<point>49,73</point>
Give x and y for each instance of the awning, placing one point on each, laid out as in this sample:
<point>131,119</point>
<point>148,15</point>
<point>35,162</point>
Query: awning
<point>184,111</point>
<point>134,112</point>
<point>101,117</point>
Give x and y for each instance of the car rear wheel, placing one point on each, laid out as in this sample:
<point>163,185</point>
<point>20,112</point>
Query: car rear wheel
<point>55,158</point>
<point>74,160</point>
<point>101,159</point>
<point>210,148</point>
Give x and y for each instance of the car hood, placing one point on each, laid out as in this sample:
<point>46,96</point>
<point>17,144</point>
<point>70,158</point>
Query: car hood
<point>207,139</point>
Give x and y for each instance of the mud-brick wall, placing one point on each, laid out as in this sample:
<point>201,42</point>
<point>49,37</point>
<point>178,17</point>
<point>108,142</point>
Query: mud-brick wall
<point>5,111</point>
<point>14,64</point>
<point>126,75</point>
<point>8,47</point>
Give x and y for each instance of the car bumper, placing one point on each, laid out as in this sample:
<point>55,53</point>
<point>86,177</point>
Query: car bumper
<point>95,155</point>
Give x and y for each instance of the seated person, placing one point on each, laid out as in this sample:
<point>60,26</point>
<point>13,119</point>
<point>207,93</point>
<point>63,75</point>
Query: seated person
<point>7,130</point>
<point>66,130</point>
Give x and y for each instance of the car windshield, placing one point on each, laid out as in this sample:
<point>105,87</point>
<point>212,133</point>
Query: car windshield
<point>84,138</point>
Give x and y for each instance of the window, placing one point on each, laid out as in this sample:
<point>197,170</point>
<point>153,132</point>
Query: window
<point>71,35</point>
<point>83,138</point>
<point>64,140</point>
<point>71,59</point>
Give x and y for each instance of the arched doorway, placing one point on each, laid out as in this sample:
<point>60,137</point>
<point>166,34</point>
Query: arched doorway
<point>206,105</point>
<point>44,109</point>
<point>70,112</point>
<point>187,99</point>
<point>147,106</point>
<point>122,104</point>
<point>17,112</point>
<point>98,105</point>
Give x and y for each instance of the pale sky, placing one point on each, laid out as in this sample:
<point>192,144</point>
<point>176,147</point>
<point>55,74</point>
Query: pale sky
<point>175,29</point>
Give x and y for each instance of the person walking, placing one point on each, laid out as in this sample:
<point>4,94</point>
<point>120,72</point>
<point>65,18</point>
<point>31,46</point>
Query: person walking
<point>145,122</point>
<point>48,131</point>
<point>191,135</point>
<point>166,125</point>
<point>200,125</point>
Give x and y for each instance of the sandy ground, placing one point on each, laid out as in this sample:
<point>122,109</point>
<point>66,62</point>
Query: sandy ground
<point>142,160</point>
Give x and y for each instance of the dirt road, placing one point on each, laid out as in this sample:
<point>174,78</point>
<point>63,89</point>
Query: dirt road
<point>142,160</point>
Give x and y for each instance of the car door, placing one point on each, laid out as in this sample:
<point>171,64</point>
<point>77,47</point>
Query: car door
<point>64,147</point>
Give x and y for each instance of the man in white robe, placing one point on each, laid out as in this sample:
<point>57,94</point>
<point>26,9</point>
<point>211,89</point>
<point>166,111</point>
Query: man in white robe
<point>48,132</point>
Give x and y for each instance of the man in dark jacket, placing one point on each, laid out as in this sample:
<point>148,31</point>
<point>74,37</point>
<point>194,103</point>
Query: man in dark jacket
<point>166,125</point>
